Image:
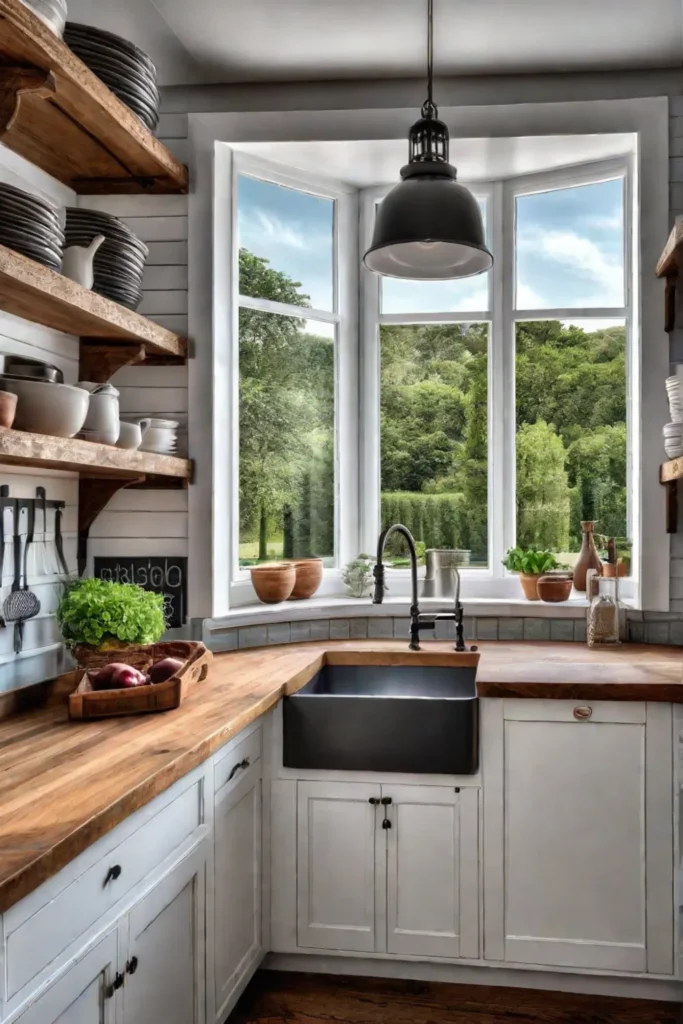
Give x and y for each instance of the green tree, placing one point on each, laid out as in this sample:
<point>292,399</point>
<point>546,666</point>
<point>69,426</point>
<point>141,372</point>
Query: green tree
<point>542,488</point>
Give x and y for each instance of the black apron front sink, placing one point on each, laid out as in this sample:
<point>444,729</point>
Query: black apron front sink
<point>385,718</point>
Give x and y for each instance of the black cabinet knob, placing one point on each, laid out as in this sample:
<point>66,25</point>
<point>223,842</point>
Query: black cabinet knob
<point>113,873</point>
<point>386,801</point>
<point>116,984</point>
<point>386,823</point>
<point>132,965</point>
<point>374,801</point>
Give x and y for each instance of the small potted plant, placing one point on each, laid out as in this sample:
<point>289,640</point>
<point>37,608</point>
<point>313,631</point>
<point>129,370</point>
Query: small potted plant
<point>531,564</point>
<point>99,618</point>
<point>357,576</point>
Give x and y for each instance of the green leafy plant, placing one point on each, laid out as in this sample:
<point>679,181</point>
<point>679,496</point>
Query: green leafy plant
<point>530,561</point>
<point>95,611</point>
<point>357,575</point>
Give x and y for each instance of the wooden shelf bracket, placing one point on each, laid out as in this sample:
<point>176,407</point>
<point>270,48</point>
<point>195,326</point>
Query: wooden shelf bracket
<point>99,361</point>
<point>93,494</point>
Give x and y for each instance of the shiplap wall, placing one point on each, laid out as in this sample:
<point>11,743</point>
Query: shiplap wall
<point>152,522</point>
<point>42,653</point>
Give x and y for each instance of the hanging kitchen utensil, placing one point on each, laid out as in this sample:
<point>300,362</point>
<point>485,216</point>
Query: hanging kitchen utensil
<point>31,604</point>
<point>59,545</point>
<point>46,562</point>
<point>12,607</point>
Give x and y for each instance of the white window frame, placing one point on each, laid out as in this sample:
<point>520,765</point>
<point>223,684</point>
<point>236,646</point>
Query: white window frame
<point>494,582</point>
<point>344,317</point>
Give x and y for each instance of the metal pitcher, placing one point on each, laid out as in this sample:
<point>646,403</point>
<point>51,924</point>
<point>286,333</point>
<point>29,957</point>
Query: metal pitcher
<point>441,576</point>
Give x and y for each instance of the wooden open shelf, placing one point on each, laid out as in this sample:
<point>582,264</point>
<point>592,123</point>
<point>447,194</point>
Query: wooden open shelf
<point>36,293</point>
<point>669,475</point>
<point>18,447</point>
<point>669,266</point>
<point>59,115</point>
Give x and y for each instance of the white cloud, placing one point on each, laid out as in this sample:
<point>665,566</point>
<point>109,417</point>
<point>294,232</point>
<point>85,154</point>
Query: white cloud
<point>603,221</point>
<point>578,256</point>
<point>260,225</point>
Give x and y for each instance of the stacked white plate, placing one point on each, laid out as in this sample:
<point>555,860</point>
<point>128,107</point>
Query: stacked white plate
<point>160,437</point>
<point>673,440</point>
<point>52,12</point>
<point>674,390</point>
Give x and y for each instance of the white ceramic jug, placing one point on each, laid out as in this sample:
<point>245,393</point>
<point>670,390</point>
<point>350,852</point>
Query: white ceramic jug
<point>102,421</point>
<point>77,262</point>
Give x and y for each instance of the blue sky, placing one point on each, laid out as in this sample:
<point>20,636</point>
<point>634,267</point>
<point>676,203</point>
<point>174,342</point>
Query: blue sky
<point>569,249</point>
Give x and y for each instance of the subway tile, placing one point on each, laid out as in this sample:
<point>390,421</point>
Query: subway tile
<point>253,636</point>
<point>676,141</point>
<point>339,629</point>
<point>660,616</point>
<point>486,628</point>
<point>468,628</point>
<point>510,629</point>
<point>580,630</point>
<point>320,629</point>
<point>380,629</point>
<point>677,544</point>
<point>278,633</point>
<point>676,169</point>
<point>676,633</point>
<point>562,629</point>
<point>675,106</point>
<point>358,629</point>
<point>537,629</point>
<point>676,568</point>
<point>675,127</point>
<point>225,641</point>
<point>300,631</point>
<point>676,606</point>
<point>402,629</point>
<point>676,589</point>
<point>657,632</point>
<point>445,629</point>
<point>676,195</point>
<point>636,632</point>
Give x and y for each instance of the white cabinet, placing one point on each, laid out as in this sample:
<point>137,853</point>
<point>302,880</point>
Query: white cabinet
<point>164,960</point>
<point>388,869</point>
<point>341,865</point>
<point>432,871</point>
<point>577,841</point>
<point>237,879</point>
<point>84,994</point>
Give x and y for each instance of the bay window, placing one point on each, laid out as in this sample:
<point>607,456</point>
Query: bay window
<point>482,413</point>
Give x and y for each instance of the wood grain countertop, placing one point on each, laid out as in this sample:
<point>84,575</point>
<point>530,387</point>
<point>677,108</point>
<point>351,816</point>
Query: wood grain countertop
<point>65,784</point>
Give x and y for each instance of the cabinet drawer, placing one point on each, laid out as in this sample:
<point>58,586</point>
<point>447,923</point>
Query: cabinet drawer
<point>235,762</point>
<point>600,711</point>
<point>34,942</point>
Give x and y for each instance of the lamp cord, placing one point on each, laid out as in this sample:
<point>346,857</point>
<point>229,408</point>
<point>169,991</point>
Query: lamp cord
<point>429,108</point>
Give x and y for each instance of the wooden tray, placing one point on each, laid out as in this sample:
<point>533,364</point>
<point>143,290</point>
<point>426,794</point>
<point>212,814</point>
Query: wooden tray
<point>85,702</point>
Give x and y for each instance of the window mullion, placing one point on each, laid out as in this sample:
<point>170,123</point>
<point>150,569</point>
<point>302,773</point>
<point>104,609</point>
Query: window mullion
<point>507,342</point>
<point>497,474</point>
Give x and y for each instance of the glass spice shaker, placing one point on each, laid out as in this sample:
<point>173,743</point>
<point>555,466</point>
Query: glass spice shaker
<point>603,611</point>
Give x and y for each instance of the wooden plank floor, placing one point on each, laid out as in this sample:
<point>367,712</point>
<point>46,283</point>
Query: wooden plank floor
<point>277,997</point>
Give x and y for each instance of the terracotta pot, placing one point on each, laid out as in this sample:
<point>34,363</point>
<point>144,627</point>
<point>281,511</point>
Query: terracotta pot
<point>8,407</point>
<point>529,586</point>
<point>588,557</point>
<point>555,588</point>
<point>608,569</point>
<point>309,575</point>
<point>273,582</point>
<point>88,657</point>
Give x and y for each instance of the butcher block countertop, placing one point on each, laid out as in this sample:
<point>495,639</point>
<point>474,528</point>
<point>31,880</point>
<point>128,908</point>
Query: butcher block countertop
<point>65,784</point>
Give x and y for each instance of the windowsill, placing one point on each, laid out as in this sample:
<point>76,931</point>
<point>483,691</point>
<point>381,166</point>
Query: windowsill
<point>397,607</point>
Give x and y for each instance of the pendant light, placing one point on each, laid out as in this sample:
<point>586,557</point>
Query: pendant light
<point>429,227</point>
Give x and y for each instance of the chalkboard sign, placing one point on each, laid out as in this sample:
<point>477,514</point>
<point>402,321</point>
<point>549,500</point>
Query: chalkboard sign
<point>163,575</point>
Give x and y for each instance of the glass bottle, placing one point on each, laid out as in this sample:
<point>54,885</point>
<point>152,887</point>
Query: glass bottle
<point>603,611</point>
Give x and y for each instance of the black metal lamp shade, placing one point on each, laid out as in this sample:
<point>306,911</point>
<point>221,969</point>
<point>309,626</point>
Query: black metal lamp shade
<point>429,227</point>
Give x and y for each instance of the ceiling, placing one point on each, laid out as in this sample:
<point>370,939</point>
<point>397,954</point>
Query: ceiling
<point>280,40</point>
<point>367,163</point>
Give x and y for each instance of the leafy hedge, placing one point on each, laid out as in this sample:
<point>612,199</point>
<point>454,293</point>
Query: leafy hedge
<point>436,519</point>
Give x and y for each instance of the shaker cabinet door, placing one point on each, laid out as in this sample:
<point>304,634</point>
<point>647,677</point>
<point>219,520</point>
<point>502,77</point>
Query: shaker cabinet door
<point>237,882</point>
<point>164,969</point>
<point>432,871</point>
<point>341,858</point>
<point>577,869</point>
<point>84,995</point>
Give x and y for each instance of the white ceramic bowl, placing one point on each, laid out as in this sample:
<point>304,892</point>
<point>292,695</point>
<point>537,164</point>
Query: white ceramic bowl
<point>46,408</point>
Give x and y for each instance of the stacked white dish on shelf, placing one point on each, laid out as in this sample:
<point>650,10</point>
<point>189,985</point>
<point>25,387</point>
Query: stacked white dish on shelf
<point>673,432</point>
<point>159,436</point>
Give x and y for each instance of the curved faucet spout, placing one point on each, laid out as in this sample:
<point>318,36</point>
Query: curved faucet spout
<point>378,571</point>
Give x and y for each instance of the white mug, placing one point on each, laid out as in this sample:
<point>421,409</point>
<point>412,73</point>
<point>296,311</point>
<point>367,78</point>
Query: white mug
<point>130,434</point>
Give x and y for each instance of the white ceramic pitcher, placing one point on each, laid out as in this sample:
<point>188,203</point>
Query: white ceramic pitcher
<point>78,260</point>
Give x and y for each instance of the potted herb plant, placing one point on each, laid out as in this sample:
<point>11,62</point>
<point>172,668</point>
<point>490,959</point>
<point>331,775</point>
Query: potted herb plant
<point>357,576</point>
<point>99,618</point>
<point>531,564</point>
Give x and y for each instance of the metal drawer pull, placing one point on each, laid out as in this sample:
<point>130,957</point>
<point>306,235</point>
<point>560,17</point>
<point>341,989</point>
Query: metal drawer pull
<point>582,713</point>
<point>112,874</point>
<point>116,984</point>
<point>234,770</point>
